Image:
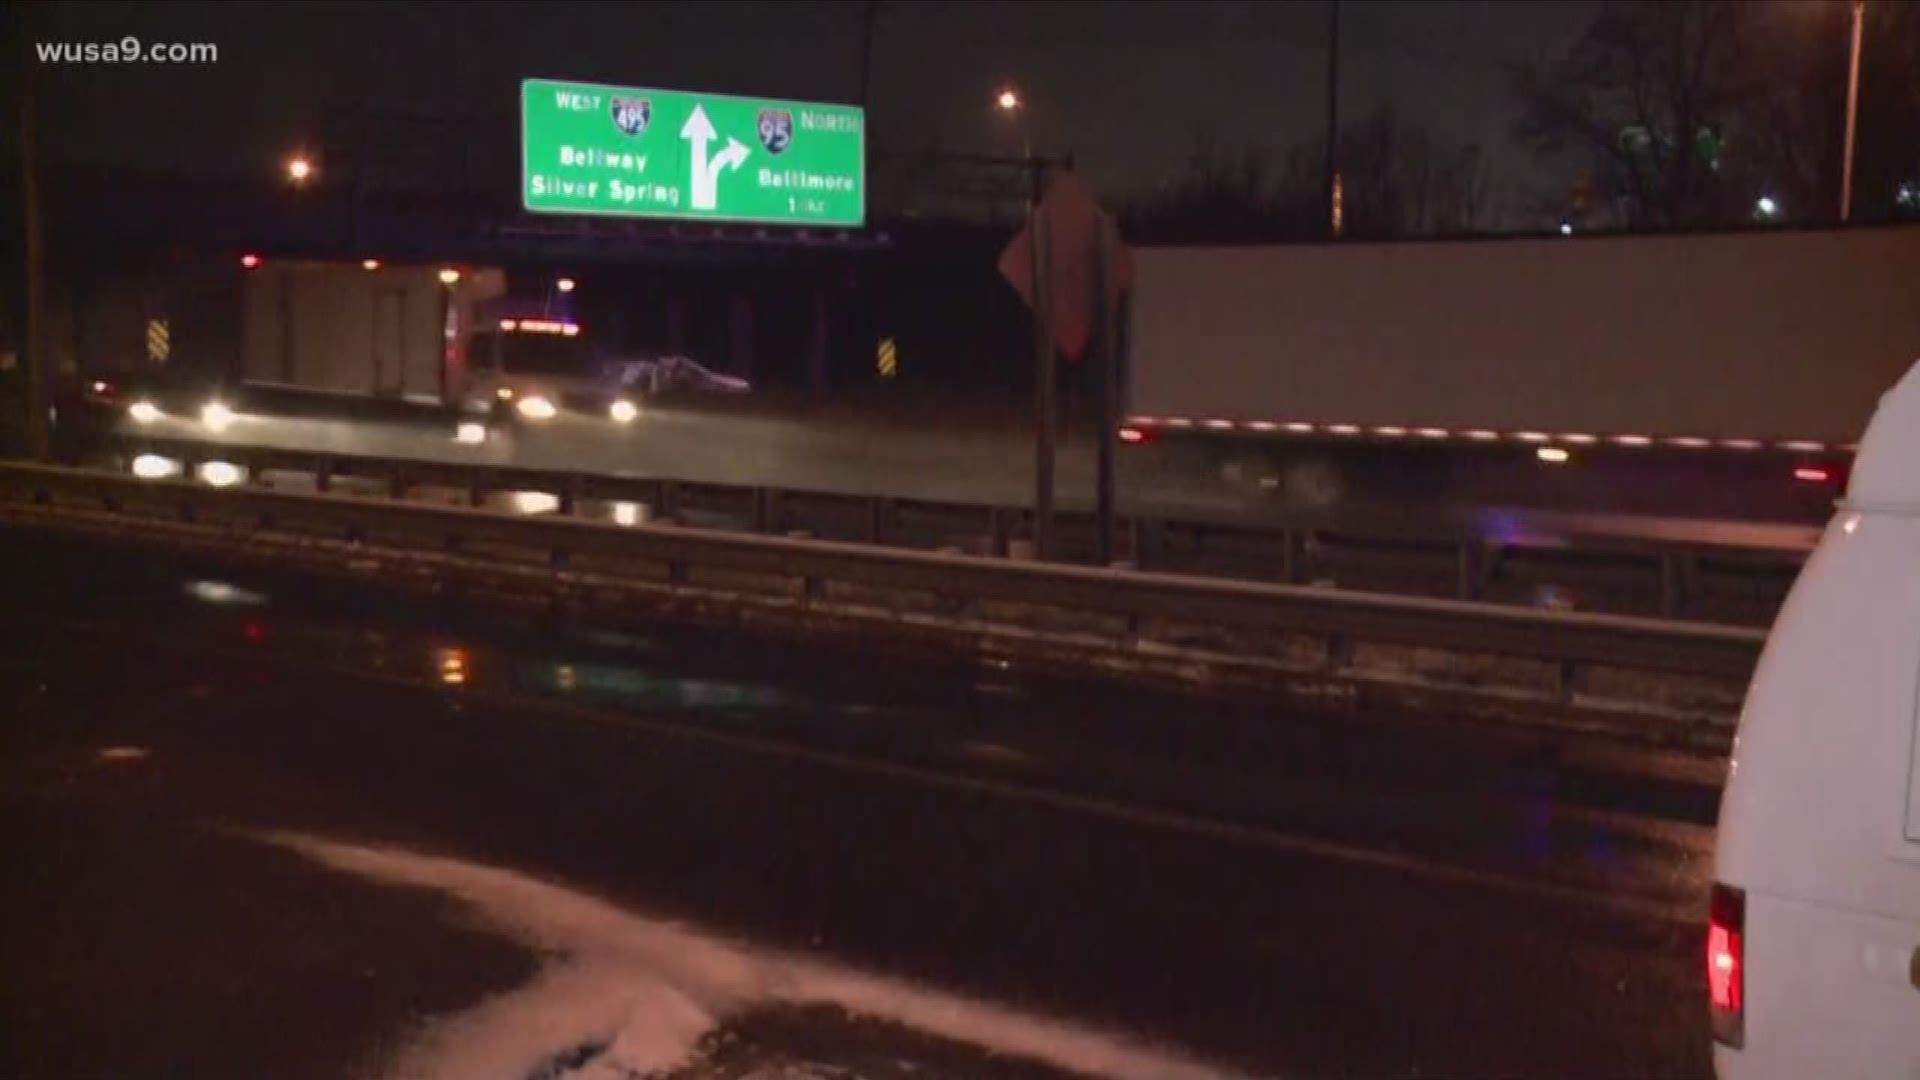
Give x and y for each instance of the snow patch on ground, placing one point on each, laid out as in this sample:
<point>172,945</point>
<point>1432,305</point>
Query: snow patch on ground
<point>647,990</point>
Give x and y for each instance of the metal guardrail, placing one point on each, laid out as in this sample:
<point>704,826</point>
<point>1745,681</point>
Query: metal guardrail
<point>1666,575</point>
<point>808,571</point>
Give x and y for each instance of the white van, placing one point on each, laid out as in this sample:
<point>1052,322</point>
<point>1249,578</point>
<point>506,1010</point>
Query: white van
<point>1813,942</point>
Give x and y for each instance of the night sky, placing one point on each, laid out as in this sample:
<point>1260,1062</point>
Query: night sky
<point>1129,88</point>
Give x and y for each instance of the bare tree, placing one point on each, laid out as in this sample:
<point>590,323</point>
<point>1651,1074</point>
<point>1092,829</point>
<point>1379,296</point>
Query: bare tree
<point>1646,94</point>
<point>1402,180</point>
<point>1683,112</point>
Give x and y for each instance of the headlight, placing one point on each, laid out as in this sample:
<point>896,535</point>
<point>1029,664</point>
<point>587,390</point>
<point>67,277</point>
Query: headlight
<point>143,412</point>
<point>222,473</point>
<point>216,416</point>
<point>504,393</point>
<point>623,411</point>
<point>470,432</point>
<point>534,407</point>
<point>155,467</point>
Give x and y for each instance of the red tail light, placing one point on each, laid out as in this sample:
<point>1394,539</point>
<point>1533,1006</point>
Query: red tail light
<point>1727,964</point>
<point>1812,474</point>
<point>1135,435</point>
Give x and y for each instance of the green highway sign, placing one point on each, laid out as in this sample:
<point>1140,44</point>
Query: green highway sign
<point>591,149</point>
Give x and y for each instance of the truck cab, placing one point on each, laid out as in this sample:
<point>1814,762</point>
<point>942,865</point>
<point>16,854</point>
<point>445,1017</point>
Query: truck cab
<point>532,362</point>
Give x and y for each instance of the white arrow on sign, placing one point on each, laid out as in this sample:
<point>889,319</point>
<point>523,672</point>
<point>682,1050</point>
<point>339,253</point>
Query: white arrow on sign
<point>698,131</point>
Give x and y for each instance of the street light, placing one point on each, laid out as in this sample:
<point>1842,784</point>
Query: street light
<point>1766,207</point>
<point>1853,105</point>
<point>299,169</point>
<point>565,284</point>
<point>1009,100</point>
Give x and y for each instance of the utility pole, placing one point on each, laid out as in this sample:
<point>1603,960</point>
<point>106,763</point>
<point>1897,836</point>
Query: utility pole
<point>1853,105</point>
<point>1332,192</point>
<point>35,363</point>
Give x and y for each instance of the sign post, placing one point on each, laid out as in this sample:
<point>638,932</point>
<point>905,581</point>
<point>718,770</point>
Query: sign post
<point>635,152</point>
<point>1045,418</point>
<point>1070,267</point>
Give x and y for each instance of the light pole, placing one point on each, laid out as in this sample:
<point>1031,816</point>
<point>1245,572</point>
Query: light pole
<point>1853,105</point>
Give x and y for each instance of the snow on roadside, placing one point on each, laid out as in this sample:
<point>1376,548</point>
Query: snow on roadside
<point>647,990</point>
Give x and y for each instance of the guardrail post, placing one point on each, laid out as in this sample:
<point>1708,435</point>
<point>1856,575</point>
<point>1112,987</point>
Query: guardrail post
<point>1566,682</point>
<point>1290,557</point>
<point>999,529</point>
<point>397,483</point>
<point>323,476</point>
<point>879,513</point>
<point>668,501</point>
<point>1675,582</point>
<point>476,488</point>
<point>766,510</point>
<point>569,496</point>
<point>1467,569</point>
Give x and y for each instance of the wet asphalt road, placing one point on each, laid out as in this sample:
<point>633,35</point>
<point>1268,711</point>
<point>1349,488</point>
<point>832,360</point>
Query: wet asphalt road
<point>1266,894</point>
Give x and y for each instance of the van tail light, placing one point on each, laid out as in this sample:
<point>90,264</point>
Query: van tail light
<point>1727,964</point>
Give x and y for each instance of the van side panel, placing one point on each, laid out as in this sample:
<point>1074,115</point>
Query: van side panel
<point>1813,822</point>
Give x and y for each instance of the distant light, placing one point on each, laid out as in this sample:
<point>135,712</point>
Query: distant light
<point>452,664</point>
<point>1691,442</point>
<point>143,412</point>
<point>505,393</point>
<point>223,593</point>
<point>565,284</point>
<point>1743,444</point>
<point>1532,436</point>
<point>1391,432</point>
<point>1579,439</point>
<point>535,407</point>
<point>1812,475</point>
<point>1263,425</point>
<point>570,329</point>
<point>1179,421</point>
<point>99,387</point>
<point>509,324</point>
<point>1483,435</point>
<point>449,276</point>
<point>1849,525</point>
<point>221,473</point>
<point>623,411</point>
<point>1132,435</point>
<point>470,432</point>
<point>369,264</point>
<point>626,513</point>
<point>1566,228</point>
<point>1553,455</point>
<point>1344,429</point>
<point>155,467</point>
<point>122,753</point>
<point>1804,446</point>
<point>299,169</point>
<point>1433,433</point>
<point>1633,440</point>
<point>216,416</point>
<point>250,261</point>
<point>1008,100</point>
<point>1220,425</point>
<point>536,502</point>
<point>1300,427</point>
<point>1765,206</point>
